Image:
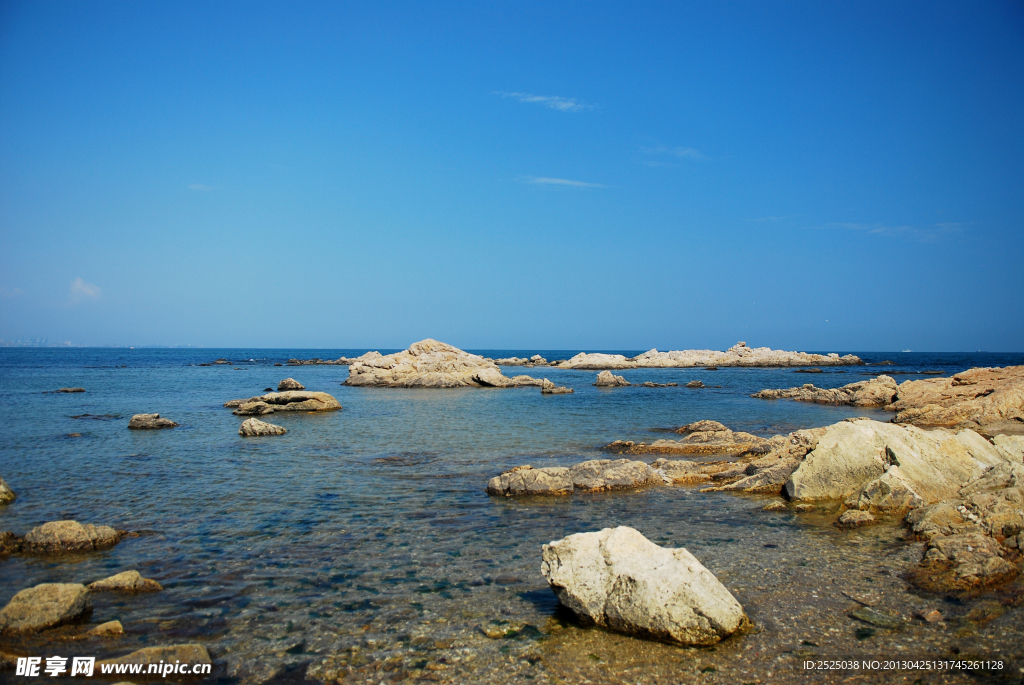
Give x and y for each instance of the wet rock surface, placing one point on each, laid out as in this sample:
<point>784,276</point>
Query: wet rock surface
<point>6,494</point>
<point>187,653</point>
<point>256,428</point>
<point>45,606</point>
<point>150,422</point>
<point>126,581</point>
<point>618,579</point>
<point>70,536</point>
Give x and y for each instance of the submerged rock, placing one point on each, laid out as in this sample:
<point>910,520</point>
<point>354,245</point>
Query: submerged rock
<point>695,384</point>
<point>877,392</point>
<point>6,494</point>
<point>9,543</point>
<point>256,428</point>
<point>70,389</point>
<point>149,421</point>
<point>427,364</point>
<point>188,653</point>
<point>606,379</point>
<point>70,536</point>
<point>618,579</point>
<point>127,581</point>
<point>45,606</point>
<point>854,518</point>
<point>289,400</point>
<point>108,629</point>
<point>549,388</point>
<point>290,384</point>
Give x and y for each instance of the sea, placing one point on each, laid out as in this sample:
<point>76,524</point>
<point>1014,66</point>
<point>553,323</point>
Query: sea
<point>362,547</point>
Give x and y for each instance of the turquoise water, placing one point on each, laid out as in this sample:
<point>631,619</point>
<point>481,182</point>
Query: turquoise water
<point>369,527</point>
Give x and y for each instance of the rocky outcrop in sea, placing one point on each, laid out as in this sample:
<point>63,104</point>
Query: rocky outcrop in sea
<point>702,438</point>
<point>70,536</point>
<point>6,494</point>
<point>737,355</point>
<point>987,399</point>
<point>599,475</point>
<point>45,606</point>
<point>149,422</point>
<point>607,379</point>
<point>429,364</point>
<point>290,400</point>
<point>252,428</point>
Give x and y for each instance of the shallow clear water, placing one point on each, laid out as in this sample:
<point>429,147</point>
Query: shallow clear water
<point>362,544</point>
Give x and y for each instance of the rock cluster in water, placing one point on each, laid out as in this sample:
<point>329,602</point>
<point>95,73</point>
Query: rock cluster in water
<point>70,536</point>
<point>252,428</point>
<point>737,355</point>
<point>600,475</point>
<point>430,364</point>
<point>988,399</point>
<point>606,379</point>
<point>149,422</point>
<point>702,438</point>
<point>620,580</point>
<point>290,400</point>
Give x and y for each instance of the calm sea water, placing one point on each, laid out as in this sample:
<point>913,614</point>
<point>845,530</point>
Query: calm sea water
<point>362,544</point>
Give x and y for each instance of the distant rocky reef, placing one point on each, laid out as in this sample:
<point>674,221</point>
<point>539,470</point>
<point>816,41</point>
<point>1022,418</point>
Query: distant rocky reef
<point>737,355</point>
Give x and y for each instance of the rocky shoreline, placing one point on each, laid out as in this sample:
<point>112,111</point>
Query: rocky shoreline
<point>990,400</point>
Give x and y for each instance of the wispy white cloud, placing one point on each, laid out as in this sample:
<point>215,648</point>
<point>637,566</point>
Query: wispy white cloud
<point>81,291</point>
<point>563,182</point>
<point>551,101</point>
<point>925,234</point>
<point>680,152</point>
<point>199,187</point>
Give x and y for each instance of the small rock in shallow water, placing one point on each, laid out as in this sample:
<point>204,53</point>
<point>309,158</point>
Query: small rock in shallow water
<point>9,543</point>
<point>128,581</point>
<point>933,616</point>
<point>45,606</point>
<point>188,653</point>
<point>255,428</point>
<point>775,506</point>
<point>6,494</point>
<point>70,536</point>
<point>854,518</point>
<point>74,435</point>
<point>620,580</point>
<point>71,390</point>
<point>290,384</point>
<point>876,618</point>
<point>805,508</point>
<point>108,629</point>
<point>695,384</point>
<point>149,421</point>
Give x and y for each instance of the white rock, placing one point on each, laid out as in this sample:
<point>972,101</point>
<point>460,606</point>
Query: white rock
<point>886,467</point>
<point>619,579</point>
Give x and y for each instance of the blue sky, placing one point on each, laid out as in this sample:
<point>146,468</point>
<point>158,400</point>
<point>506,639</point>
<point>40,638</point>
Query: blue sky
<point>825,176</point>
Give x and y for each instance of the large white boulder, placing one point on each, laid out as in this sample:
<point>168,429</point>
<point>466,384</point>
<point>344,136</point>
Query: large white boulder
<point>886,467</point>
<point>620,580</point>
